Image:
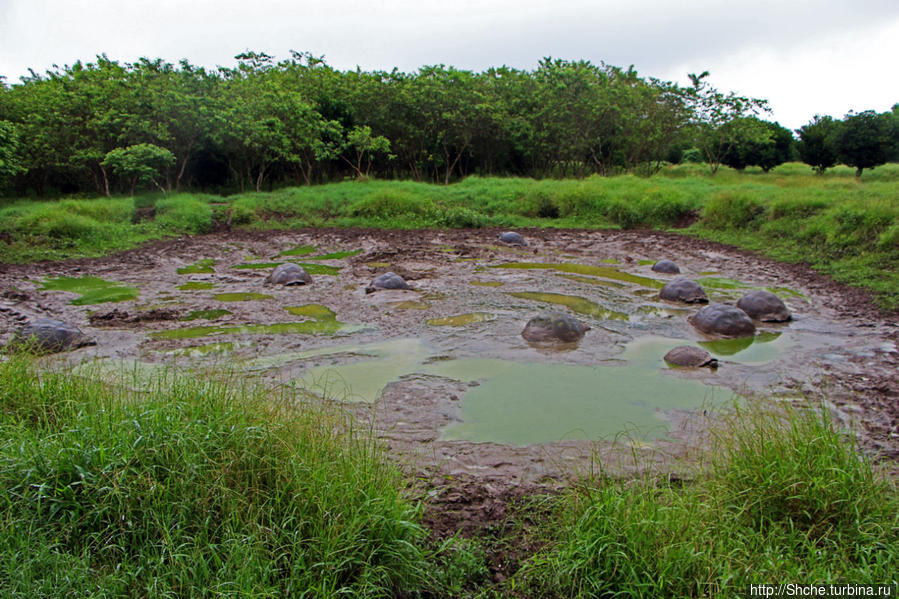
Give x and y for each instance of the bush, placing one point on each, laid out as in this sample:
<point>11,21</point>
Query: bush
<point>732,210</point>
<point>183,214</point>
<point>391,203</point>
<point>241,213</point>
<point>461,218</point>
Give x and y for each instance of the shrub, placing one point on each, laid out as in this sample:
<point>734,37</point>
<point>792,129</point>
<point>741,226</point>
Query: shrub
<point>461,218</point>
<point>732,210</point>
<point>389,203</point>
<point>182,214</point>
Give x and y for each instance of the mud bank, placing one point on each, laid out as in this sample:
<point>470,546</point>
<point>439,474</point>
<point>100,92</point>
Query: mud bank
<point>441,372</point>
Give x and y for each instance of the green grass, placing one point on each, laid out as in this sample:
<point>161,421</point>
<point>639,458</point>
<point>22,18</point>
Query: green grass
<point>785,497</point>
<point>204,486</point>
<point>842,226</point>
<point>199,488</point>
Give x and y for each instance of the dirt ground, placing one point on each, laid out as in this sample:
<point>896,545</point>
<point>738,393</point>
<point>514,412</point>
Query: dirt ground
<point>844,349</point>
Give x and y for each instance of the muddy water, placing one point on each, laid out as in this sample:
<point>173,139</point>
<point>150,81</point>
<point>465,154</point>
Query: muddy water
<point>444,367</point>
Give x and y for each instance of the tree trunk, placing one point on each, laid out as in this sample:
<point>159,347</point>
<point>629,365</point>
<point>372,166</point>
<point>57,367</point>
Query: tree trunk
<point>260,177</point>
<point>106,182</point>
<point>180,174</point>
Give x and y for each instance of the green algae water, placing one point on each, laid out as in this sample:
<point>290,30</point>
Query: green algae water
<point>93,290</point>
<point>759,349</point>
<point>318,269</point>
<point>577,304</point>
<point>605,272</point>
<point>195,286</point>
<point>375,366</point>
<point>410,305</point>
<point>202,267</point>
<point>335,255</point>
<point>241,297</point>
<point>323,322</point>
<point>524,404</point>
<point>256,265</point>
<point>512,402</point>
<point>460,320</point>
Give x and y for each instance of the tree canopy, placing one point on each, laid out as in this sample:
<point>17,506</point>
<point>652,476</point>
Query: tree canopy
<point>265,122</point>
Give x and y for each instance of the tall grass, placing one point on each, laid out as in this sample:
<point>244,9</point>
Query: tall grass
<point>198,487</point>
<point>785,497</point>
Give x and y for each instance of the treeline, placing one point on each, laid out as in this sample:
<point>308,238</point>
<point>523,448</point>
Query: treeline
<point>108,127</point>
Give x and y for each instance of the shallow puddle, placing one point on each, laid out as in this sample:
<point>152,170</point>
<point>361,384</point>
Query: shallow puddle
<point>577,304</point>
<point>522,404</point>
<point>201,351</point>
<point>93,290</point>
<point>323,322</point>
<point>759,349</point>
<point>513,402</point>
<point>585,269</point>
<point>460,320</point>
<point>131,373</point>
<point>593,281</point>
<point>410,305</point>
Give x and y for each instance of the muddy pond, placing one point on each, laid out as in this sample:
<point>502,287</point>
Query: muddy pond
<point>441,370</point>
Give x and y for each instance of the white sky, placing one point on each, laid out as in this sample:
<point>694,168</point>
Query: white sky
<point>804,56</point>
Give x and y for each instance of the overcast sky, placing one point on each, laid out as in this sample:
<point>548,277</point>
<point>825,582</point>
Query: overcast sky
<point>805,57</point>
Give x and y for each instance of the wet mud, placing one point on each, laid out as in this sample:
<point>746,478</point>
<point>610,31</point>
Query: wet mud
<point>441,373</point>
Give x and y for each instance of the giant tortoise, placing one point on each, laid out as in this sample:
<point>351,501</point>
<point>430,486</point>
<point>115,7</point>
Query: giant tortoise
<point>49,335</point>
<point>288,274</point>
<point>690,356</point>
<point>554,327</point>
<point>387,280</point>
<point>512,238</point>
<point>683,290</point>
<point>764,306</point>
<point>723,320</point>
<point>666,267</point>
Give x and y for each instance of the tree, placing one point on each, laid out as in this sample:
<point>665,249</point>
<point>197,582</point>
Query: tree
<point>718,120</point>
<point>755,151</point>
<point>865,140</point>
<point>360,141</point>
<point>143,163</point>
<point>10,164</point>
<point>818,143</point>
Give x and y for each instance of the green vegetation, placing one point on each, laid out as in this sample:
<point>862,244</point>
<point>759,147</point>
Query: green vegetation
<point>206,314</point>
<point>205,486</point>
<point>200,487</point>
<point>784,496</point>
<point>93,290</point>
<point>107,127</point>
<point>841,225</point>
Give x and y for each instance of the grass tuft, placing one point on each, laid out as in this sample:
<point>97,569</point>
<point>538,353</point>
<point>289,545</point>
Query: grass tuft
<point>198,487</point>
<point>783,497</point>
